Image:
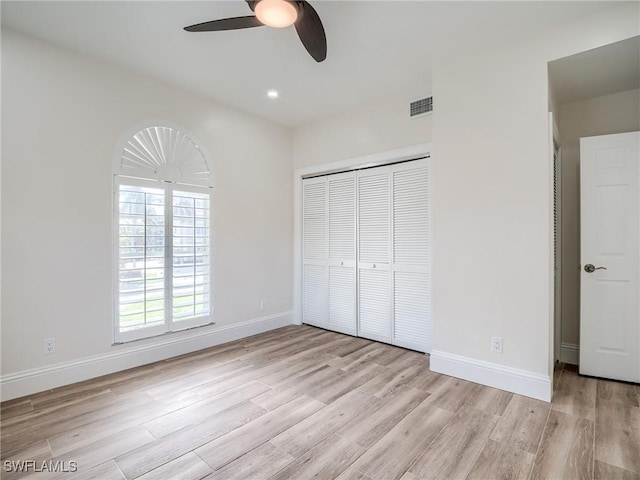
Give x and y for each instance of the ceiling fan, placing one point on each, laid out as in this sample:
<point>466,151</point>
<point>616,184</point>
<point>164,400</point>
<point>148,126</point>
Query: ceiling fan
<point>278,14</point>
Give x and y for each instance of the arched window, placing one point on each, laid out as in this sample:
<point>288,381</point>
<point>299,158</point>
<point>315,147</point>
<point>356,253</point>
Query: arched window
<point>164,229</point>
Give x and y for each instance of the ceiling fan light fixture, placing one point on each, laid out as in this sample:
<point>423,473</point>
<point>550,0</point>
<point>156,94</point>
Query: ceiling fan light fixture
<point>276,13</point>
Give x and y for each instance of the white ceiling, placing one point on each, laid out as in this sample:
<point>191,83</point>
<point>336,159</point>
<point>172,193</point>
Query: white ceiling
<point>375,48</point>
<point>601,71</point>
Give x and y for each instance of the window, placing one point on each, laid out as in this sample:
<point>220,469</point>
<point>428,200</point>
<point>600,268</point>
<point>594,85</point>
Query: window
<point>164,257</point>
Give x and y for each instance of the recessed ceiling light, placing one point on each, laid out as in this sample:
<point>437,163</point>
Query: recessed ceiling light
<point>273,94</point>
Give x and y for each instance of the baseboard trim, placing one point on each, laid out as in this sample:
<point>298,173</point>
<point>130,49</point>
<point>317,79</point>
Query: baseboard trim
<point>27,382</point>
<point>570,353</point>
<point>513,380</point>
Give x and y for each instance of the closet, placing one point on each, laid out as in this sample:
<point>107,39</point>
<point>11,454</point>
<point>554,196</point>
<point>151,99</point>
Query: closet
<point>366,267</point>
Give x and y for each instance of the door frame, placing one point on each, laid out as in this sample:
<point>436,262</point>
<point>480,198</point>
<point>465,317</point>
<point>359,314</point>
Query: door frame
<point>366,161</point>
<point>556,270</point>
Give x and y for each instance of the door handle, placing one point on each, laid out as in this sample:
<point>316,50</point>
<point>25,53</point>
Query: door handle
<point>590,268</point>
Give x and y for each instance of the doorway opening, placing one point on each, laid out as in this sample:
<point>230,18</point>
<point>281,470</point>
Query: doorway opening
<point>592,93</point>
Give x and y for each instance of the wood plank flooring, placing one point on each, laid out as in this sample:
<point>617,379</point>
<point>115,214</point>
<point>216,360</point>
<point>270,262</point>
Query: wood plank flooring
<point>301,403</point>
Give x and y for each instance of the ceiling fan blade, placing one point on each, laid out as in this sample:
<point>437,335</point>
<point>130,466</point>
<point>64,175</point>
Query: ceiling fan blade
<point>252,4</point>
<point>234,23</point>
<point>311,32</point>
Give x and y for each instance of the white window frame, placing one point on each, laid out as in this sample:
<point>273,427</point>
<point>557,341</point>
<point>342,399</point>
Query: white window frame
<point>170,325</point>
<point>161,155</point>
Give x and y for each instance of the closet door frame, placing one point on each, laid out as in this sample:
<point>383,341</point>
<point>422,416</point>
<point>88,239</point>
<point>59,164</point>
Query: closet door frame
<point>422,150</point>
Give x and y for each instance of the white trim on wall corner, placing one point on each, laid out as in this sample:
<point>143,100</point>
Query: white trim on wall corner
<point>570,353</point>
<point>39,379</point>
<point>513,380</point>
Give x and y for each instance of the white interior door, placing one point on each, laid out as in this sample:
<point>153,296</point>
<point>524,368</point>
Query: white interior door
<point>374,232</point>
<point>342,252</point>
<point>411,249</point>
<point>610,257</point>
<point>315,281</point>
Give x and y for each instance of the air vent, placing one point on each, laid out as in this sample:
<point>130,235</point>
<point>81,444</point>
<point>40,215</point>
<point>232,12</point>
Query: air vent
<point>421,107</point>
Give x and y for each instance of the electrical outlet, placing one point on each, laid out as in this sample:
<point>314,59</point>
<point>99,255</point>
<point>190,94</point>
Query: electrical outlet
<point>48,346</point>
<point>263,305</point>
<point>496,344</point>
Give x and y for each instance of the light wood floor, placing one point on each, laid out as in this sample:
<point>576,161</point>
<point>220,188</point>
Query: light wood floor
<point>304,403</point>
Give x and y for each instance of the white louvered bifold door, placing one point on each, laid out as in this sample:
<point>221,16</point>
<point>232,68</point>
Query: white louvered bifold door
<point>411,248</point>
<point>367,254</point>
<point>342,252</point>
<point>315,281</point>
<point>374,281</point>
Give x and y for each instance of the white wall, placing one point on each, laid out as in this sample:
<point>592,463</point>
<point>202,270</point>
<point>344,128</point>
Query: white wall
<point>379,127</point>
<point>616,113</point>
<point>62,116</point>
<point>492,204</point>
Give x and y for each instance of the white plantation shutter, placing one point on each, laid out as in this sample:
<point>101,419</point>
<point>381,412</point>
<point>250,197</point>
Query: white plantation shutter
<point>315,310</point>
<point>411,239</point>
<point>164,224</point>
<point>342,252</point>
<point>141,259</point>
<point>166,154</point>
<point>164,258</point>
<point>374,289</point>
<point>191,279</point>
